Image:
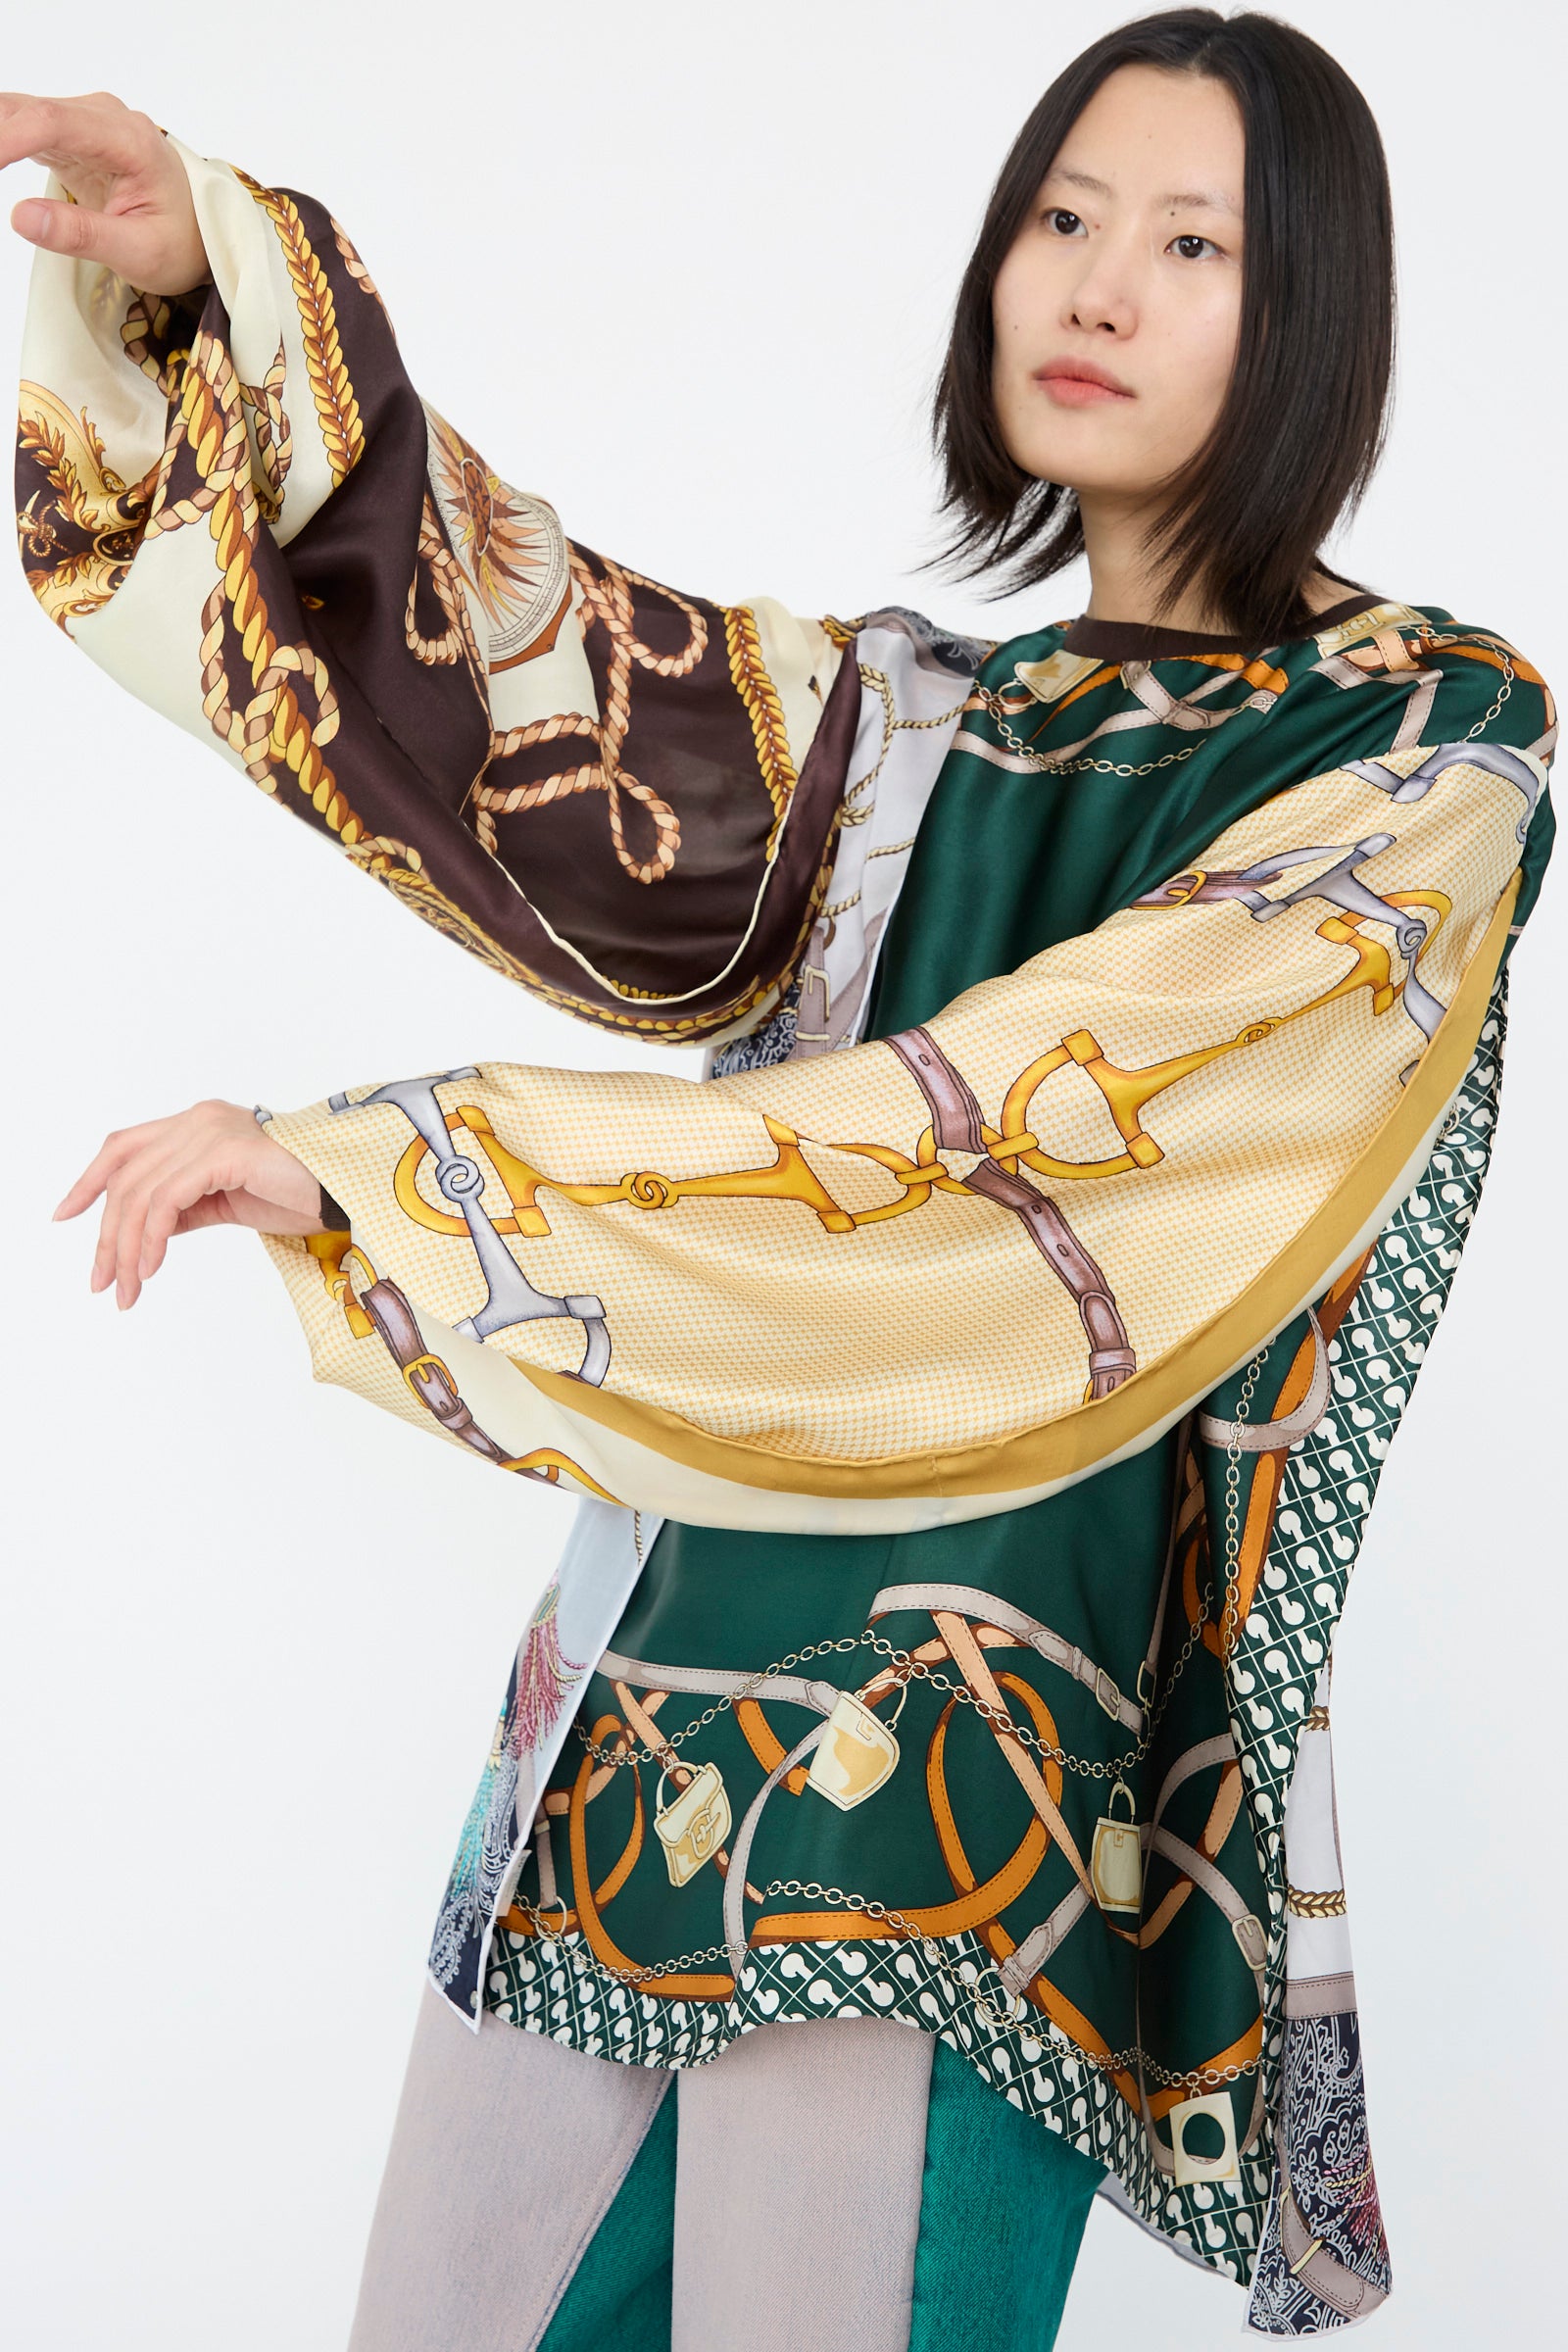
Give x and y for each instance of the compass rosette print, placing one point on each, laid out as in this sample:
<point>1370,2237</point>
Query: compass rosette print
<point>510,546</point>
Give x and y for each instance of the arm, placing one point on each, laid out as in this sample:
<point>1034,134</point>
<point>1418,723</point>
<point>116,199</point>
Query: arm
<point>936,1276</point>
<point>621,796</point>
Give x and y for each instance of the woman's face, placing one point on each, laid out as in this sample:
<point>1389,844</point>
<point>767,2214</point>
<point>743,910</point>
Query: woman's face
<point>1117,306</point>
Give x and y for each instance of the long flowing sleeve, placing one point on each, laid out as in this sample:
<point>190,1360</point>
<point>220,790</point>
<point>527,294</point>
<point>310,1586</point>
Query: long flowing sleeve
<point>621,796</point>
<point>940,1274</point>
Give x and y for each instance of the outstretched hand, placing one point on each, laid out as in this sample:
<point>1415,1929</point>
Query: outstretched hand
<point>133,208</point>
<point>208,1165</point>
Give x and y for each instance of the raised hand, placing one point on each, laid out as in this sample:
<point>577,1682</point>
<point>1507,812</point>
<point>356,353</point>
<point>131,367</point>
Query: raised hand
<point>208,1165</point>
<point>133,208</point>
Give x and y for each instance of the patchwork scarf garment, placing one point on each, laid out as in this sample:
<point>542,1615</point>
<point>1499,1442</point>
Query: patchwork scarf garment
<point>975,1387</point>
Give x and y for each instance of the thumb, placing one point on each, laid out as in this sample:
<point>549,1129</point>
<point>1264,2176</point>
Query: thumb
<point>57,228</point>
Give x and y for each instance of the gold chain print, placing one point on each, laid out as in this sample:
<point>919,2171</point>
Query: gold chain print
<point>1026,1736</point>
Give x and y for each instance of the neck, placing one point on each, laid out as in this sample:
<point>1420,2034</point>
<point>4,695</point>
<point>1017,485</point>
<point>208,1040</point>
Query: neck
<point>1123,586</point>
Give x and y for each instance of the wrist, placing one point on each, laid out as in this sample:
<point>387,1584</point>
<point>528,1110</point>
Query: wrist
<point>334,1217</point>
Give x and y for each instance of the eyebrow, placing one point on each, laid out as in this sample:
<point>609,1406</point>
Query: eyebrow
<point>1186,199</point>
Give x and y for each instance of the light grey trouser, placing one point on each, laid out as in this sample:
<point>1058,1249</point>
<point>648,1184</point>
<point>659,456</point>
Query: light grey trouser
<point>799,2162</point>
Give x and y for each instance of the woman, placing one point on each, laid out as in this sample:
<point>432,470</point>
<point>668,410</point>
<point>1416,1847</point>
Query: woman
<point>1103,1032</point>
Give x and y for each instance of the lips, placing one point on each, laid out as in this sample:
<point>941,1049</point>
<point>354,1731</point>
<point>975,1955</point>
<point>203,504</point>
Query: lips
<point>1079,383</point>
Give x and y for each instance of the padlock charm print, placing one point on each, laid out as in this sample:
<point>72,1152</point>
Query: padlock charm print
<point>1116,1858</point>
<point>693,1825</point>
<point>854,1756</point>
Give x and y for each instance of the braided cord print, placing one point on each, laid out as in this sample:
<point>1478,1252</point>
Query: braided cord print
<point>610,603</point>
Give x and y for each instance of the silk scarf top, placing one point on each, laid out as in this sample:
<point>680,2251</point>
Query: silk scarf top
<point>1103,1056</point>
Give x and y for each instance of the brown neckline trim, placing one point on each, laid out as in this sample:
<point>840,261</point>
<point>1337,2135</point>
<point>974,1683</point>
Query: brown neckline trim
<point>1142,641</point>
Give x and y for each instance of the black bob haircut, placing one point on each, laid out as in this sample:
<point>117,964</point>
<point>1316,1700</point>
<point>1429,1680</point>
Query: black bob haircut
<point>1303,423</point>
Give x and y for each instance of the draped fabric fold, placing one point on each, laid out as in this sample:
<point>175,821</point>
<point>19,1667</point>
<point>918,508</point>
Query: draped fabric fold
<point>623,797</point>
<point>939,1275</point>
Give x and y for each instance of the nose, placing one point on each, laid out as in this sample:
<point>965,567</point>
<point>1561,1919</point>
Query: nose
<point>1101,301</point>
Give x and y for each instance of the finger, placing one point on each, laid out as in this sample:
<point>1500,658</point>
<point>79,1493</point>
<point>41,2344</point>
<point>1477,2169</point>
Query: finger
<point>82,1194</point>
<point>103,1256</point>
<point>152,1152</point>
<point>166,1217</point>
<point>56,226</point>
<point>67,134</point>
<point>133,249</point>
<point>150,1216</point>
<point>113,1153</point>
<point>127,1248</point>
<point>93,1180</point>
<point>109,157</point>
<point>125,1198</point>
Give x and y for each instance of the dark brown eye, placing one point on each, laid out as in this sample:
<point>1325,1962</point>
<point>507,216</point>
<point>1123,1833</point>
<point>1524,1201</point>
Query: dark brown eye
<point>1185,247</point>
<point>1066,223</point>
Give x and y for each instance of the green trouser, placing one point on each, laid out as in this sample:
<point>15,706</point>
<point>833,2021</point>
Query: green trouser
<point>1002,2208</point>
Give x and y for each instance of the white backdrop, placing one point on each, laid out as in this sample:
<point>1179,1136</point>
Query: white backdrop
<point>685,271</point>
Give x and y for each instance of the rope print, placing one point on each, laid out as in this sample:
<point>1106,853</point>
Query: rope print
<point>607,600</point>
<point>279,688</point>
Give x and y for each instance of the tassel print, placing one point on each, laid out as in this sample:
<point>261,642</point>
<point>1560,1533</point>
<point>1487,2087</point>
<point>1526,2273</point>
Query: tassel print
<point>543,1676</point>
<point>1361,2214</point>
